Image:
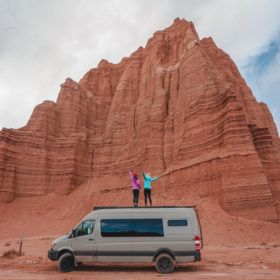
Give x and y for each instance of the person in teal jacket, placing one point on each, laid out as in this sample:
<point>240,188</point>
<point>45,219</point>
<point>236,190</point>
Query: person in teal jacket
<point>148,187</point>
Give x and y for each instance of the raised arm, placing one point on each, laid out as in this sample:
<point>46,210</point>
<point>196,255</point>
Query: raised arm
<point>155,178</point>
<point>130,174</point>
<point>144,175</point>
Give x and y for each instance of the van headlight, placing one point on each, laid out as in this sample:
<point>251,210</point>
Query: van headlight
<point>53,243</point>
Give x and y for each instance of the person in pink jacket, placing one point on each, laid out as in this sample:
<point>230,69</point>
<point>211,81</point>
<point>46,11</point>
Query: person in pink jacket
<point>135,184</point>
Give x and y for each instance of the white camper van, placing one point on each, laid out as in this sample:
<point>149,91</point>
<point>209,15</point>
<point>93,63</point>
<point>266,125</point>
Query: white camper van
<point>163,235</point>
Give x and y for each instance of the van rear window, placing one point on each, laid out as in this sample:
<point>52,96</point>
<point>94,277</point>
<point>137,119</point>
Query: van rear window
<point>177,223</point>
<point>131,227</point>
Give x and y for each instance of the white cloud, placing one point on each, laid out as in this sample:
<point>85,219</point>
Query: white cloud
<point>43,42</point>
<point>266,86</point>
<point>241,28</point>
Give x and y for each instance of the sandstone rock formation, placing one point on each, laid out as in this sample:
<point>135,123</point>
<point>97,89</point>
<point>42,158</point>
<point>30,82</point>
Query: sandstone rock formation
<point>179,106</point>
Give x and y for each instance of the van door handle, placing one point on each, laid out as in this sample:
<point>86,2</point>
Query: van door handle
<point>91,239</point>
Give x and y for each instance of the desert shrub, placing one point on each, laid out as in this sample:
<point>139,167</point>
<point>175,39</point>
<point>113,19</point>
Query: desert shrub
<point>11,254</point>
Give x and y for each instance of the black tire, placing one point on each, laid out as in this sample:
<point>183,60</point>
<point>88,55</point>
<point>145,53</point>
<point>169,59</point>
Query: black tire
<point>66,262</point>
<point>165,264</point>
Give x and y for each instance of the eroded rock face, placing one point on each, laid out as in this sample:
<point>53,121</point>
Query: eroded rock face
<point>179,106</point>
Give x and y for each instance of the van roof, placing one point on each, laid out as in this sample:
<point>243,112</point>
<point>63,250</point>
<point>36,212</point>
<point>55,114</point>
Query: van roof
<point>143,210</point>
<point>156,209</point>
<point>141,207</point>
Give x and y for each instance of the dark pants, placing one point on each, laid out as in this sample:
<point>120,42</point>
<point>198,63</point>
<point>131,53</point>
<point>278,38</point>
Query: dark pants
<point>147,194</point>
<point>135,196</point>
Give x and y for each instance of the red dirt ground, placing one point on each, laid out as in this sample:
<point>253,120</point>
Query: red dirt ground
<point>235,248</point>
<point>223,261</point>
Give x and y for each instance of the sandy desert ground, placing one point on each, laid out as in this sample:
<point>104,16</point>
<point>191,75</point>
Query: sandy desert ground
<point>220,261</point>
<point>234,247</point>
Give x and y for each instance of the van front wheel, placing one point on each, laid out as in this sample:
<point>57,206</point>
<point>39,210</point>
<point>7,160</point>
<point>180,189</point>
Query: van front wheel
<point>66,262</point>
<point>165,263</point>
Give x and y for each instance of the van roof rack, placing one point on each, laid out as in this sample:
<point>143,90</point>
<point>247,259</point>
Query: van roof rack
<point>141,207</point>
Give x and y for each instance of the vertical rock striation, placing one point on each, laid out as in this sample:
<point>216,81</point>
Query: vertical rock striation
<point>178,106</point>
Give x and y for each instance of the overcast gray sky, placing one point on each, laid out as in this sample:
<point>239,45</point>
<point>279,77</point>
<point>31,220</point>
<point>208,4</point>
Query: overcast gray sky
<point>44,42</point>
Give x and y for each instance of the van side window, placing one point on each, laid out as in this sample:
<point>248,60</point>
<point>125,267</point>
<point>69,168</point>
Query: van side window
<point>131,227</point>
<point>85,228</point>
<point>115,228</point>
<point>147,227</point>
<point>177,223</point>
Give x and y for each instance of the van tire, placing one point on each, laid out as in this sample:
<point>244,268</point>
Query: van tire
<point>66,262</point>
<point>164,264</point>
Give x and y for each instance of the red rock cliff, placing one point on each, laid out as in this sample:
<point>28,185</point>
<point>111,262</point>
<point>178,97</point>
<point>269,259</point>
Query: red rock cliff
<point>178,106</point>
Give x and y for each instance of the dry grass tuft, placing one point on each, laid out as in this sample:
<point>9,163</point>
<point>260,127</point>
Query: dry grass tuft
<point>11,254</point>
